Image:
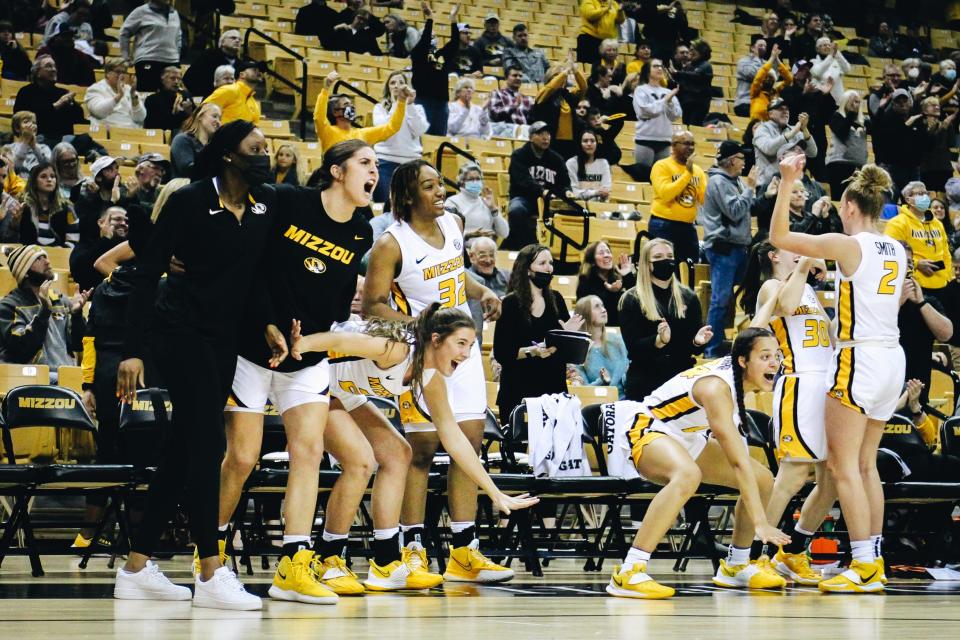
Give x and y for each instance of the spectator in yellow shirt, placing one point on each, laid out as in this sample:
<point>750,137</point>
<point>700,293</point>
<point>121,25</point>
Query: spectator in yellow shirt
<point>767,85</point>
<point>237,100</point>
<point>916,227</point>
<point>601,20</point>
<point>679,188</point>
<point>334,122</point>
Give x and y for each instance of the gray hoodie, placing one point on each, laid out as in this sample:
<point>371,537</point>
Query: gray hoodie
<point>725,214</point>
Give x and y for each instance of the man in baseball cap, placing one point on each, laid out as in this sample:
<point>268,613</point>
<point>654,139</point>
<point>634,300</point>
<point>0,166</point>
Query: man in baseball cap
<point>491,42</point>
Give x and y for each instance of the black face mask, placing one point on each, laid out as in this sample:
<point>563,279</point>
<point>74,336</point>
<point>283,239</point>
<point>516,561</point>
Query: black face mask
<point>664,269</point>
<point>36,278</point>
<point>255,169</point>
<point>541,280</point>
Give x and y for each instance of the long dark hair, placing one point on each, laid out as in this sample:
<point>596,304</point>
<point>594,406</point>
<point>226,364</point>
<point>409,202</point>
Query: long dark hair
<point>335,156</point>
<point>742,346</point>
<point>588,268</point>
<point>434,320</point>
<point>759,269</point>
<point>644,77</point>
<point>582,157</point>
<point>520,282</point>
<point>210,161</point>
<point>403,188</point>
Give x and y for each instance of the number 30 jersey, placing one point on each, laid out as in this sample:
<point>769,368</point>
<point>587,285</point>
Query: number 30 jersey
<point>428,274</point>
<point>804,336</point>
<point>868,301</point>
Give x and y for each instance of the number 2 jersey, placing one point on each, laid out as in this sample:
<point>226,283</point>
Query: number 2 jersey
<point>868,300</point>
<point>804,336</point>
<point>428,274</point>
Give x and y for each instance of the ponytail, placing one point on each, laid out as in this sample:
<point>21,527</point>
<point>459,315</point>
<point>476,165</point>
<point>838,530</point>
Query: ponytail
<point>433,320</point>
<point>759,269</point>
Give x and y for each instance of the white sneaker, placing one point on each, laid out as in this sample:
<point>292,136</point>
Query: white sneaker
<point>148,584</point>
<point>224,591</point>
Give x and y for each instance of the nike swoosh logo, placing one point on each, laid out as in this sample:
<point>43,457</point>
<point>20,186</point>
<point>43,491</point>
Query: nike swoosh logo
<point>421,259</point>
<point>282,577</point>
<point>389,377</point>
<point>617,581</point>
<point>358,237</point>
<point>869,578</point>
<point>214,212</point>
<point>466,567</point>
<point>381,572</point>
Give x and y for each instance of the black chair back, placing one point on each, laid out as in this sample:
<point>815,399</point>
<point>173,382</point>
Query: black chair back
<point>759,430</point>
<point>35,405</point>
<point>142,423</point>
<point>389,409</point>
<point>950,437</point>
<point>274,435</point>
<point>901,437</point>
<point>595,435</point>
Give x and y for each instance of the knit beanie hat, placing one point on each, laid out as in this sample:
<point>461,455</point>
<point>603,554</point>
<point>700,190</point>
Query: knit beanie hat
<point>22,258</point>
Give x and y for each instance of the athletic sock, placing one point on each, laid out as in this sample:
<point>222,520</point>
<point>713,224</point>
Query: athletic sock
<point>386,546</point>
<point>411,533</point>
<point>292,544</point>
<point>634,556</point>
<point>223,532</point>
<point>877,542</point>
<point>463,533</point>
<point>331,544</point>
<point>737,556</point>
<point>862,550</point>
<point>799,540</point>
<point>757,548</point>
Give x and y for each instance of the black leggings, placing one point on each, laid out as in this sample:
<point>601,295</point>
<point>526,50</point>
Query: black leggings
<point>199,374</point>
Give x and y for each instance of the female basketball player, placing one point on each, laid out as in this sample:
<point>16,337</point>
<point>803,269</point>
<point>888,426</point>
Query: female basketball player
<point>868,366</point>
<point>311,265</point>
<point>419,261</point>
<point>390,358</point>
<point>671,444</point>
<point>802,328</point>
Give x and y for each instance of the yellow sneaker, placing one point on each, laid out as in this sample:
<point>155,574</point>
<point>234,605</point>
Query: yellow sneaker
<point>633,582</point>
<point>80,542</point>
<point>336,576</point>
<point>467,564</point>
<point>296,581</point>
<point>415,556</point>
<point>224,558</point>
<point>754,575</point>
<point>796,566</point>
<point>883,569</point>
<point>399,574</point>
<point>861,577</point>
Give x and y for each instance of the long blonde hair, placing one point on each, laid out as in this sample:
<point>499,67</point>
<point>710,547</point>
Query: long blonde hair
<point>584,308</point>
<point>164,195</point>
<point>644,289</point>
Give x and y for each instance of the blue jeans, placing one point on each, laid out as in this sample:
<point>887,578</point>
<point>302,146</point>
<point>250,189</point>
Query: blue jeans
<point>725,272</point>
<point>381,193</point>
<point>686,245</point>
<point>437,112</point>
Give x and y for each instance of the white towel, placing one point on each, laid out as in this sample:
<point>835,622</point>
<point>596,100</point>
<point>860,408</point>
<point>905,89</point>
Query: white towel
<point>554,436</point>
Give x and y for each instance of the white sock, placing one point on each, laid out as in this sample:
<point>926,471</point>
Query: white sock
<point>385,534</point>
<point>407,527</point>
<point>223,527</point>
<point>804,532</point>
<point>862,550</point>
<point>737,556</point>
<point>330,537</point>
<point>292,539</point>
<point>636,555</point>
<point>458,527</point>
<point>877,542</point>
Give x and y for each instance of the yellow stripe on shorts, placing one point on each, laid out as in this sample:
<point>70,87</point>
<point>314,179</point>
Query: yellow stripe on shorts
<point>843,380</point>
<point>790,443</point>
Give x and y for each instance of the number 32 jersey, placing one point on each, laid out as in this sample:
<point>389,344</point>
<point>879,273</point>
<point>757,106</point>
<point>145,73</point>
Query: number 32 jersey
<point>428,274</point>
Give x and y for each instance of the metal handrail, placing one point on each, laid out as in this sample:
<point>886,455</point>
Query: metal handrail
<point>300,89</point>
<point>457,150</point>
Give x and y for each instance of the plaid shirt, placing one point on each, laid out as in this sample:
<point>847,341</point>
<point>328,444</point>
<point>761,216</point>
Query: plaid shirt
<point>507,105</point>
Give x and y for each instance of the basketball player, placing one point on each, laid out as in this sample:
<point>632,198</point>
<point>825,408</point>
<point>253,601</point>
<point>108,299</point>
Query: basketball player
<point>311,266</point>
<point>416,262</point>
<point>802,328</point>
<point>670,443</point>
<point>868,366</point>
<point>390,358</point>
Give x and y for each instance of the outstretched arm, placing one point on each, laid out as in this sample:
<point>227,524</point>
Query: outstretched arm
<point>386,353</point>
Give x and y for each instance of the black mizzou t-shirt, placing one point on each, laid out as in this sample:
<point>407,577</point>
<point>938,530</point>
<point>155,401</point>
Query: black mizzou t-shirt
<point>310,268</point>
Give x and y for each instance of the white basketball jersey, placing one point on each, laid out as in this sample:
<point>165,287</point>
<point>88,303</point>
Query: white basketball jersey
<point>804,336</point>
<point>868,301</point>
<point>672,403</point>
<point>428,274</point>
<point>360,376</point>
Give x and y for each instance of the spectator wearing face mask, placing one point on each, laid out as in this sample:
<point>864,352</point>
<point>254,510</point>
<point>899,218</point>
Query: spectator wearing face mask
<point>477,205</point>
<point>334,116</point>
<point>945,86</point>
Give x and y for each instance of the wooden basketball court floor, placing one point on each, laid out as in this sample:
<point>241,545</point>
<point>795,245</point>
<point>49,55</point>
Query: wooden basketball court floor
<point>71,604</point>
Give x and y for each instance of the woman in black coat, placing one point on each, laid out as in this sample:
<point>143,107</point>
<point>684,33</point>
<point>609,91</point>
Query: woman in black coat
<point>601,277</point>
<point>530,309</point>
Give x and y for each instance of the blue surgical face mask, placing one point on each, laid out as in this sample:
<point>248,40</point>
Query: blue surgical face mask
<point>922,202</point>
<point>473,187</point>
<point>950,74</point>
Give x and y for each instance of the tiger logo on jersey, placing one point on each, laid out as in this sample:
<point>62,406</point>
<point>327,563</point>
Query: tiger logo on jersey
<point>314,265</point>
